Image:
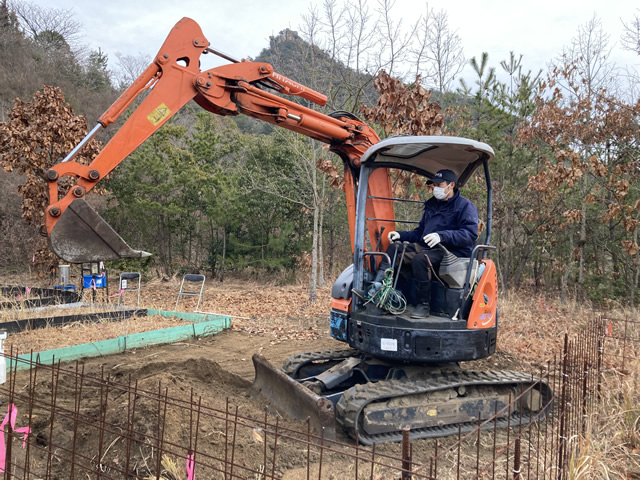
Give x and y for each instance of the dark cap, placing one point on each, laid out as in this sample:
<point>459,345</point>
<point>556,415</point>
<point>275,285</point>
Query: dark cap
<point>443,176</point>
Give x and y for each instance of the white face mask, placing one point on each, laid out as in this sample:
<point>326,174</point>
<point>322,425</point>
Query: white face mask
<point>440,193</point>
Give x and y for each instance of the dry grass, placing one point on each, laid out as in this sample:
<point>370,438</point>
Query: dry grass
<point>532,331</point>
<point>532,327</point>
<point>610,447</point>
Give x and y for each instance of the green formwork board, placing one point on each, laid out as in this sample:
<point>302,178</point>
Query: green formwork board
<point>204,325</point>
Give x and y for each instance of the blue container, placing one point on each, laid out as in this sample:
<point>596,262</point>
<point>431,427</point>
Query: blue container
<point>97,281</point>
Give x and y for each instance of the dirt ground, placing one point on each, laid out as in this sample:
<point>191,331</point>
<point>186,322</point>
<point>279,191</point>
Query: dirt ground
<point>273,321</point>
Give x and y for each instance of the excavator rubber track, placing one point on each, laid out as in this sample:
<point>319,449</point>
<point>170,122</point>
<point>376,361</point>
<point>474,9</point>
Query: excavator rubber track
<point>491,388</point>
<point>350,408</point>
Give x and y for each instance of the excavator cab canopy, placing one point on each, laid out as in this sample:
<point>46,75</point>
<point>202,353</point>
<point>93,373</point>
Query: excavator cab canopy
<point>425,155</point>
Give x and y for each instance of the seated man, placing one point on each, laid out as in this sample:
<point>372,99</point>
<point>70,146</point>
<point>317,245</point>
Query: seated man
<point>449,219</point>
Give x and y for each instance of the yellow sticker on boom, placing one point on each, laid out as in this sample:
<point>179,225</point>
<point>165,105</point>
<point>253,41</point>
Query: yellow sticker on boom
<point>159,114</point>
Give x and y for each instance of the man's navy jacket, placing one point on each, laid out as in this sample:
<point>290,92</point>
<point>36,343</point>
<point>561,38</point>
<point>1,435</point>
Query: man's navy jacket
<point>455,220</point>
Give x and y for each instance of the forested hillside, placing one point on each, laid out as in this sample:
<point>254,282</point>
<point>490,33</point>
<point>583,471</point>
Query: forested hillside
<point>235,197</point>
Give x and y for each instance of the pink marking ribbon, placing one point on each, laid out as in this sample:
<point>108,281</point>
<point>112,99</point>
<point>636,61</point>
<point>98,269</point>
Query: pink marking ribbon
<point>117,294</point>
<point>191,467</point>
<point>11,416</point>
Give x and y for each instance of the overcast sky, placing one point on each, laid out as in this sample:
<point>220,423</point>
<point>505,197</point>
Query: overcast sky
<point>538,30</point>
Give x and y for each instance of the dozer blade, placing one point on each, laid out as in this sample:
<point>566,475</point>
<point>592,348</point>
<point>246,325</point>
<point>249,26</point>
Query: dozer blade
<point>81,235</point>
<point>292,398</point>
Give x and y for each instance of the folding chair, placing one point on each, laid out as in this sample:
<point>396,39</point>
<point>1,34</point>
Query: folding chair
<point>191,278</point>
<point>128,284</point>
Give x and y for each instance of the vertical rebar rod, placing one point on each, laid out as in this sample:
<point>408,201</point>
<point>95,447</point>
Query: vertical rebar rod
<point>406,466</point>
<point>458,462</point>
<point>195,442</point>
<point>233,444</point>
<point>191,422</point>
<point>131,414</point>
<point>55,375</point>
<point>33,376</point>
<point>226,437</point>
<point>516,459</point>
<point>373,460</point>
<point>159,432</point>
<point>309,450</point>
<point>264,447</point>
<point>76,416</point>
<point>563,411</point>
<point>104,405</point>
<point>9,436</point>
<point>275,449</point>
<point>435,459</point>
<point>495,435</point>
<point>508,434</point>
<point>538,432</point>
<point>357,451</point>
<point>600,351</point>
<point>321,454</point>
<point>164,422</point>
<point>478,445</point>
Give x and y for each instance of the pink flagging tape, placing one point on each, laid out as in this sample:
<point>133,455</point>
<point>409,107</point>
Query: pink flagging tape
<point>191,467</point>
<point>11,416</point>
<point>117,294</point>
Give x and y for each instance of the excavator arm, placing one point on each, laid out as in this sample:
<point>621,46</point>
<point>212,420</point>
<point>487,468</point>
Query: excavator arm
<point>78,234</point>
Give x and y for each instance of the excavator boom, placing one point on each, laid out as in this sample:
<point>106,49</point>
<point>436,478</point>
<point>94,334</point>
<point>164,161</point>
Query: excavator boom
<point>78,234</point>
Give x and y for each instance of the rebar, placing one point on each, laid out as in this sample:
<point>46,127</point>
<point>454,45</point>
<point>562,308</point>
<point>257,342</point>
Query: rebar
<point>133,430</point>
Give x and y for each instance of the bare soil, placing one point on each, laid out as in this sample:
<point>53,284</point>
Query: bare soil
<point>271,320</point>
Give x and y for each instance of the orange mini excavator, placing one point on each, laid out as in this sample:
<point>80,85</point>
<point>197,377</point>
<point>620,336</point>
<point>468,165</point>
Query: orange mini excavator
<point>399,371</point>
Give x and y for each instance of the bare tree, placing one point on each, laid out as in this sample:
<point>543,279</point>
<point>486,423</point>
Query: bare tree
<point>587,59</point>
<point>43,23</point>
<point>631,34</point>
<point>438,55</point>
<point>130,67</point>
<point>395,41</point>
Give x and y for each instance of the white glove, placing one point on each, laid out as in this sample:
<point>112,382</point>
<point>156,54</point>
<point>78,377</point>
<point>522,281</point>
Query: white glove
<point>393,236</point>
<point>431,239</point>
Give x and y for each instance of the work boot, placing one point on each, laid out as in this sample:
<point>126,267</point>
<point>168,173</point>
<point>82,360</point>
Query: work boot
<point>423,296</point>
<point>422,311</point>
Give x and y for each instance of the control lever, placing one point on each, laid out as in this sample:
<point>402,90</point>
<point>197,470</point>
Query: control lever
<point>372,261</point>
<point>404,249</point>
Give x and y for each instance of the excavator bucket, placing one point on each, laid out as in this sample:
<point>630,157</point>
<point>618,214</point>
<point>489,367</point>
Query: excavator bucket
<point>292,398</point>
<point>81,235</point>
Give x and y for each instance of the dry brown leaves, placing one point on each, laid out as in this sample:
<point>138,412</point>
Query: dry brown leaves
<point>280,312</point>
<point>38,135</point>
<point>404,109</point>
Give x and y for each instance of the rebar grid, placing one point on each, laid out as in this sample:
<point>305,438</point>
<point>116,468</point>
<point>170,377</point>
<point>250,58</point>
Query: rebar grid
<point>92,426</point>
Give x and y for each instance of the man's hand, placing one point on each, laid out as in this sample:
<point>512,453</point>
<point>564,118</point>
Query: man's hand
<point>393,236</point>
<point>431,239</point>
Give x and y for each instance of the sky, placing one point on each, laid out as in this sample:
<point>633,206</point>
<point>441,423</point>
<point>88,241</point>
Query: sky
<point>537,30</point>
